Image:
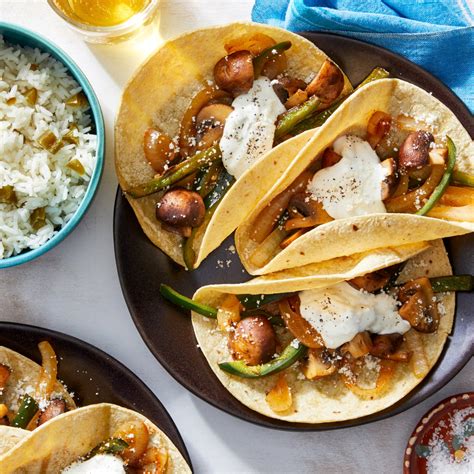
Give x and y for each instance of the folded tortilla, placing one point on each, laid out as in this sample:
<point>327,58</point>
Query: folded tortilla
<point>10,437</point>
<point>64,439</point>
<point>159,94</point>
<point>327,400</point>
<point>23,379</point>
<point>358,234</point>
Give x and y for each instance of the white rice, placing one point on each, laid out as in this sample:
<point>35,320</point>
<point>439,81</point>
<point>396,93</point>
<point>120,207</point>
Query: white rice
<point>39,178</point>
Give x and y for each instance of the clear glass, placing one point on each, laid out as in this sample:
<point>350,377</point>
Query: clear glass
<point>111,34</point>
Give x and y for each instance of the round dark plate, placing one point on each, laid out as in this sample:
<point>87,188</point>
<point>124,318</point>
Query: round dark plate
<point>92,375</point>
<point>439,425</point>
<point>167,331</point>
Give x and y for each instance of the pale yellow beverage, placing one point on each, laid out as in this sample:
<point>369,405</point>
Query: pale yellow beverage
<point>105,21</point>
<point>101,12</point>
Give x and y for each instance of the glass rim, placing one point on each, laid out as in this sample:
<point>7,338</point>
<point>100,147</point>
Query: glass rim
<point>139,17</point>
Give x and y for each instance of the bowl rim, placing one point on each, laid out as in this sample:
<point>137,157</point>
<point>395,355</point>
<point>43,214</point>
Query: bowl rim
<point>96,116</point>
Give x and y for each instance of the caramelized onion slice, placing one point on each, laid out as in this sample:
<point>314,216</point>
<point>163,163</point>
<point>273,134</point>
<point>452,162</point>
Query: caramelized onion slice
<point>297,325</point>
<point>279,398</point>
<point>385,375</point>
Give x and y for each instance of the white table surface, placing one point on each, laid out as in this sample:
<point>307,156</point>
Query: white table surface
<point>74,289</point>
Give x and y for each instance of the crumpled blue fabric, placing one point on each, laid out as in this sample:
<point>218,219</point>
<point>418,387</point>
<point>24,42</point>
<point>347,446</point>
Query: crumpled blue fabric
<point>438,35</point>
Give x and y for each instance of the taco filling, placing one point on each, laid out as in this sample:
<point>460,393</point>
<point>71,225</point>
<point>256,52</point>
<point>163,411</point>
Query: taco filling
<point>31,395</point>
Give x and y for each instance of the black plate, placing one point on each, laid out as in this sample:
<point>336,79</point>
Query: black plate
<point>92,375</point>
<point>168,332</point>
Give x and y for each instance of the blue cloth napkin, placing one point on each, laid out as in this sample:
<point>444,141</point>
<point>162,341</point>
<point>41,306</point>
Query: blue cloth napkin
<point>436,34</point>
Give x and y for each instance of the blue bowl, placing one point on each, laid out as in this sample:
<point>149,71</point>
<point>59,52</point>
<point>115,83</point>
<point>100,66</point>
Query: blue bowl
<point>15,34</point>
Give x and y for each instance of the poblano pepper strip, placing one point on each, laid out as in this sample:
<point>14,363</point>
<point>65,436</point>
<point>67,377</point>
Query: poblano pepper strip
<point>290,119</point>
<point>452,283</point>
<point>444,183</point>
<point>110,446</point>
<point>186,303</point>
<point>27,410</point>
<point>255,301</point>
<point>177,173</point>
<point>292,353</point>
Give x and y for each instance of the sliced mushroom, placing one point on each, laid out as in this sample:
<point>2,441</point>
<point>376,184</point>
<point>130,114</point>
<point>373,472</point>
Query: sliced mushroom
<point>291,84</point>
<point>158,148</point>
<point>180,207</point>
<point>320,363</point>
<point>253,341</point>
<point>56,407</point>
<point>213,114</point>
<point>374,281</point>
<point>360,345</point>
<point>328,83</point>
<point>414,152</point>
<point>297,98</point>
<point>275,66</point>
<point>210,137</point>
<point>234,73</point>
<point>419,306</point>
<point>389,183</point>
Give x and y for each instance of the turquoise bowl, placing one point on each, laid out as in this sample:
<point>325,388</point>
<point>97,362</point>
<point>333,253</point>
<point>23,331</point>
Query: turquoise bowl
<point>15,34</point>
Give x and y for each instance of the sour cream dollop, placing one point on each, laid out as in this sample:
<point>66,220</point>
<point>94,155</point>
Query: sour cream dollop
<point>353,186</point>
<point>339,312</point>
<point>250,128</point>
<point>99,463</point>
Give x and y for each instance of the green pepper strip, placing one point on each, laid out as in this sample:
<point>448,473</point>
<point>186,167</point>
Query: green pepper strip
<point>444,183</point>
<point>268,53</point>
<point>110,446</point>
<point>294,116</point>
<point>223,183</point>
<point>255,301</point>
<point>464,179</point>
<point>26,412</point>
<point>318,119</point>
<point>293,352</point>
<point>186,303</point>
<point>178,172</point>
<point>205,181</point>
<point>452,283</point>
<point>211,202</point>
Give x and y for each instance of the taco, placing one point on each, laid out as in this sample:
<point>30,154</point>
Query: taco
<point>391,166</point>
<point>9,437</point>
<point>312,348</point>
<point>96,438</point>
<point>196,123</point>
<point>30,394</point>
